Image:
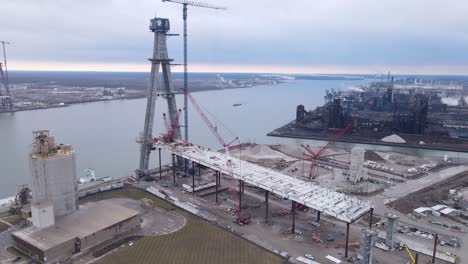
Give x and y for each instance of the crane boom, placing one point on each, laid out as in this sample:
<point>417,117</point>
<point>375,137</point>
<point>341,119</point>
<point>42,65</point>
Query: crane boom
<point>193,3</point>
<point>337,136</point>
<point>205,118</point>
<point>314,156</point>
<point>410,256</point>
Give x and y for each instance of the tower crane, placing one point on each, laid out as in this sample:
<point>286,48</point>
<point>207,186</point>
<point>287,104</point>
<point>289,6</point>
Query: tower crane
<point>314,156</point>
<point>186,3</point>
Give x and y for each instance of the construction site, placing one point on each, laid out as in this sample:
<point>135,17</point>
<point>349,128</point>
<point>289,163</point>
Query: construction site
<point>394,112</point>
<point>256,203</point>
<point>306,204</point>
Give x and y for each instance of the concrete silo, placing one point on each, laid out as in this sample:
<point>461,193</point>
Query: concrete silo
<point>53,176</point>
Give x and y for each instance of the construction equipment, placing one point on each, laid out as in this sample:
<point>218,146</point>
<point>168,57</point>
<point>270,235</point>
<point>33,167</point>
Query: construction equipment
<point>22,198</point>
<point>353,245</point>
<point>280,212</point>
<point>215,132</point>
<point>317,239</point>
<point>170,130</point>
<point>302,207</point>
<point>160,58</point>
<point>412,259</point>
<point>186,3</point>
<point>315,156</point>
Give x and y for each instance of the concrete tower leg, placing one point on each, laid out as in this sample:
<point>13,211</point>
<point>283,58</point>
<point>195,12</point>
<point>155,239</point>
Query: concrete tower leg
<point>391,229</point>
<point>146,140</point>
<point>368,245</point>
<point>170,96</point>
<point>267,194</point>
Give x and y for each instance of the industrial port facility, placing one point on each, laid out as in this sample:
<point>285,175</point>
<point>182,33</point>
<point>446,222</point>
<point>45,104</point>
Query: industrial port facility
<point>398,113</point>
<point>245,202</point>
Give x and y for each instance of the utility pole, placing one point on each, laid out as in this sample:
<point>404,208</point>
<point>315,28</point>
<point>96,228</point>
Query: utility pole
<point>186,3</point>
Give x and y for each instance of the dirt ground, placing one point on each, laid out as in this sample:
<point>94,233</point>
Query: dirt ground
<point>431,195</point>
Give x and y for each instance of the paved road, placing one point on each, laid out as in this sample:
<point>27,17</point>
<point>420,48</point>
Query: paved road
<point>412,186</point>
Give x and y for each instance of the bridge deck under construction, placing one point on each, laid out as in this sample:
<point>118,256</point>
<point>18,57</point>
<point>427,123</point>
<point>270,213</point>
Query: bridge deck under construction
<point>338,205</point>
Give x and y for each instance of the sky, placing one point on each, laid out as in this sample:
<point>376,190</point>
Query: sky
<point>269,36</point>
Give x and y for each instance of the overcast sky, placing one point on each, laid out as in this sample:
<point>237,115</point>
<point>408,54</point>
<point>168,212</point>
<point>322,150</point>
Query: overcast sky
<point>304,36</point>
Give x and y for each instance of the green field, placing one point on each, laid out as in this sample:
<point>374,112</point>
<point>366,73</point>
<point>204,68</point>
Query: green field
<point>17,253</point>
<point>3,227</point>
<point>198,242</point>
<point>13,219</point>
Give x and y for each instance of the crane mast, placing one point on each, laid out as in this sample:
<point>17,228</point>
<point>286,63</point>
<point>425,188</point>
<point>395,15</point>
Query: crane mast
<point>184,17</point>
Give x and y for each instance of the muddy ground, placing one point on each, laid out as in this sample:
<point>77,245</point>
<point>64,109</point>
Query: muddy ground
<point>431,195</point>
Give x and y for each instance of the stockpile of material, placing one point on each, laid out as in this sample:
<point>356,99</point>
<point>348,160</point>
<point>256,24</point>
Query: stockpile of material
<point>393,139</point>
<point>262,152</point>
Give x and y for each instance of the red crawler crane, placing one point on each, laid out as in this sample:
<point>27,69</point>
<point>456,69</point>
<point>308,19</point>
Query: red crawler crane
<point>221,141</point>
<point>315,156</point>
<point>170,130</point>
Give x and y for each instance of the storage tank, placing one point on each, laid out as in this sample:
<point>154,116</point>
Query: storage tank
<point>53,176</point>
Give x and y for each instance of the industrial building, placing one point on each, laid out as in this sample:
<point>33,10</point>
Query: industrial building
<point>382,110</point>
<point>76,232</point>
<point>59,227</point>
<point>53,179</point>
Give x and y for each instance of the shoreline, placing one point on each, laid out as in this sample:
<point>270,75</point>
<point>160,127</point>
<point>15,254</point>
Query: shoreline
<point>123,98</point>
<point>389,144</point>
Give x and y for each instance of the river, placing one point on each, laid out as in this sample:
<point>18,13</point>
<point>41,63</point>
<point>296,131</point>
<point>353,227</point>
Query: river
<point>104,133</point>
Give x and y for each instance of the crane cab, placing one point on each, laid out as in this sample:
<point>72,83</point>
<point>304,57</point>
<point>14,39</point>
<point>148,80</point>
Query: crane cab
<point>159,24</point>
